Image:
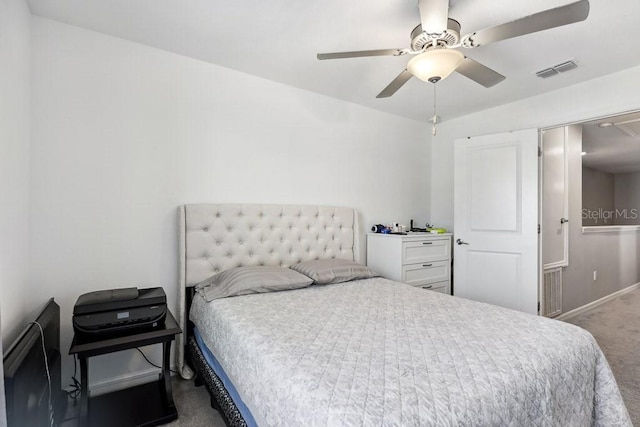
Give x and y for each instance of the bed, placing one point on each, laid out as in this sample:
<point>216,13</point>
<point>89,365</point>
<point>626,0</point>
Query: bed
<point>368,351</point>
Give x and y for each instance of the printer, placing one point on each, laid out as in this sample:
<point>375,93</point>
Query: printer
<point>117,311</point>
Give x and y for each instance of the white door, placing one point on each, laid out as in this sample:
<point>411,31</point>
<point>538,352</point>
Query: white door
<point>555,198</point>
<point>496,219</point>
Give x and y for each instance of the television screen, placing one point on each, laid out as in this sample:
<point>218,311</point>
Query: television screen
<point>32,388</point>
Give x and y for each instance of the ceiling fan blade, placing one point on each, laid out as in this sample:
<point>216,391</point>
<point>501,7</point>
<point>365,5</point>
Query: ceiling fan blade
<point>551,18</point>
<point>434,15</point>
<point>396,84</point>
<point>362,53</point>
<point>479,73</point>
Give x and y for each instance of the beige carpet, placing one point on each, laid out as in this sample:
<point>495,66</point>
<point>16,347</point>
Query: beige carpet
<point>615,324</point>
<point>193,404</point>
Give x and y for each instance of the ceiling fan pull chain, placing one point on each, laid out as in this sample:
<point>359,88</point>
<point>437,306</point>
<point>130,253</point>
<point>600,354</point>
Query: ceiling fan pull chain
<point>435,115</point>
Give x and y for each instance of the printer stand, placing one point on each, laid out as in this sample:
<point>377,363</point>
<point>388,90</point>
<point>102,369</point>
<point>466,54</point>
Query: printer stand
<point>148,404</point>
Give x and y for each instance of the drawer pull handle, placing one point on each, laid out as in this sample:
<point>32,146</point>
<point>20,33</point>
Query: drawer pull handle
<point>427,265</point>
<point>427,243</point>
<point>427,287</point>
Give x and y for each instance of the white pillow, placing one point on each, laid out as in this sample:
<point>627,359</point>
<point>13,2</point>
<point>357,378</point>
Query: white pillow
<point>251,280</point>
<point>335,270</point>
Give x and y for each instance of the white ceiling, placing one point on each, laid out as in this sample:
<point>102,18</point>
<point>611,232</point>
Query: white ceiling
<point>278,40</point>
<point>613,149</point>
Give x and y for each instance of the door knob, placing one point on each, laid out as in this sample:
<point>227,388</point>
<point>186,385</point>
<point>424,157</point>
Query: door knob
<point>460,242</point>
<point>563,220</point>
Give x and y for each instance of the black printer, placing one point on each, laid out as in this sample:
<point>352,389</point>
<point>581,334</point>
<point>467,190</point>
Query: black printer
<point>124,310</point>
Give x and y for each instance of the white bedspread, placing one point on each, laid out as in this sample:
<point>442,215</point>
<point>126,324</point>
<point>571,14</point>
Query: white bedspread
<point>375,352</point>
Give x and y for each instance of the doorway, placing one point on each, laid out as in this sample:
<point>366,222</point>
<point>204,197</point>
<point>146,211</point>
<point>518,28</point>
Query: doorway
<point>592,249</point>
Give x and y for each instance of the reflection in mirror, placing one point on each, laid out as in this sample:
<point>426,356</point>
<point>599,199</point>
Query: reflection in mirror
<point>611,171</point>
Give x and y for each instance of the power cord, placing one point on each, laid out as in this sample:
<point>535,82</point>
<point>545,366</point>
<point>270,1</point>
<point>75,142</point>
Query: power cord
<point>46,366</point>
<point>75,385</point>
<point>153,364</point>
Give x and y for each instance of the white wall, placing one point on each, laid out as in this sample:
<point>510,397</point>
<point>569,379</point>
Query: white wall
<point>604,96</point>
<point>611,199</point>
<point>123,134</point>
<point>15,56</point>
<point>627,198</point>
<point>597,195</point>
<point>15,303</point>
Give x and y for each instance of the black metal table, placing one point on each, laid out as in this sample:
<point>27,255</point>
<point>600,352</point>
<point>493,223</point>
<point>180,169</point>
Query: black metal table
<point>148,404</point>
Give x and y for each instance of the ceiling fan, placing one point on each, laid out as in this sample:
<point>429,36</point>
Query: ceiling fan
<point>436,39</point>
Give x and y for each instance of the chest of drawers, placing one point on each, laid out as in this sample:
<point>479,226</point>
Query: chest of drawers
<point>418,259</point>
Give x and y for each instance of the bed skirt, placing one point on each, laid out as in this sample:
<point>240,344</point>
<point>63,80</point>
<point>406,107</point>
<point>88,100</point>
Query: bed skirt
<point>212,382</point>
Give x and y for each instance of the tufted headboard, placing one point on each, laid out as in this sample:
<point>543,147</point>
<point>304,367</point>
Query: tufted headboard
<point>216,237</point>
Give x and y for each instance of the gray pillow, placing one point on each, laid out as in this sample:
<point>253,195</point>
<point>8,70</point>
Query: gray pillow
<point>251,280</point>
<point>326,271</point>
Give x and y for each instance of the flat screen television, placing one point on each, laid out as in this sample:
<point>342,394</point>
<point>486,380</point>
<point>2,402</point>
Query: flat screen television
<point>26,383</point>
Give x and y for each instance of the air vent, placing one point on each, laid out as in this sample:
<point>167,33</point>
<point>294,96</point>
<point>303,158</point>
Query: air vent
<point>556,69</point>
<point>565,66</point>
<point>546,73</point>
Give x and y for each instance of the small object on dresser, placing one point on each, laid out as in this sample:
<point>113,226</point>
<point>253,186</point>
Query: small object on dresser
<point>435,230</point>
<point>379,228</point>
<point>416,229</point>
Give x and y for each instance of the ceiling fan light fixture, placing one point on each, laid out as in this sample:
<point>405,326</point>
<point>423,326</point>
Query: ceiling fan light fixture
<point>435,64</point>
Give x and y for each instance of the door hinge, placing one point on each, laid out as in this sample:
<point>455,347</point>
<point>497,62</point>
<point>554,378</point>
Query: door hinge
<point>538,306</point>
<point>538,228</point>
<point>539,152</point>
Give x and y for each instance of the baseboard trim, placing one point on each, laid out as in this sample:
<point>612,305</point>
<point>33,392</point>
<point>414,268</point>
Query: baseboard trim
<point>123,381</point>
<point>586,307</point>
